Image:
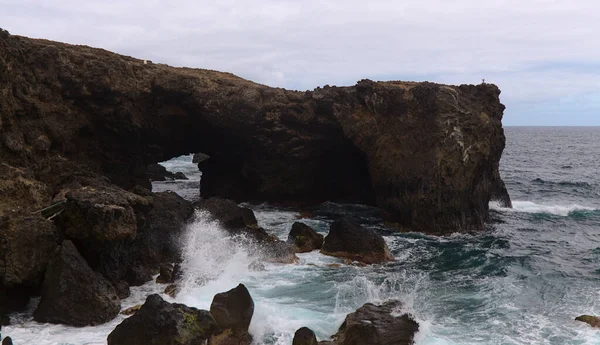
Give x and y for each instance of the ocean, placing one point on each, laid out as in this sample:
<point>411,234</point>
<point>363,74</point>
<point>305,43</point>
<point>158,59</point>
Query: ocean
<point>521,281</point>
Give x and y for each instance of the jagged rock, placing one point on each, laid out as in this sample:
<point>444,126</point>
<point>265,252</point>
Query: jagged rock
<point>593,321</point>
<point>166,274</point>
<point>233,312</point>
<point>199,158</point>
<point>304,336</point>
<point>374,325</point>
<point>347,239</point>
<point>227,213</point>
<point>305,238</point>
<point>426,153</point>
<point>161,323</point>
<point>73,294</point>
<point>131,310</point>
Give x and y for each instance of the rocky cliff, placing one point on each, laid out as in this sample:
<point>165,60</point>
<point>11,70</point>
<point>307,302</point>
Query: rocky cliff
<point>427,154</point>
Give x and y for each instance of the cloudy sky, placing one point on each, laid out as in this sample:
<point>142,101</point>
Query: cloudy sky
<point>544,54</point>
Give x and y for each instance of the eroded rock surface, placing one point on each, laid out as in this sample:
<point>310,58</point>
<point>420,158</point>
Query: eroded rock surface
<point>347,239</point>
<point>158,322</point>
<point>425,153</point>
<point>73,294</point>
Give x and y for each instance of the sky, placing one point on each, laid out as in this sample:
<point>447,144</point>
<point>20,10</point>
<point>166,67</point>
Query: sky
<point>543,54</point>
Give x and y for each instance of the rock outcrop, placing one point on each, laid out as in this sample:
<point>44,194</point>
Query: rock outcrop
<point>161,323</point>
<point>593,321</point>
<point>304,336</point>
<point>157,172</point>
<point>427,154</point>
<point>73,294</point>
<point>375,325</point>
<point>233,312</point>
<point>305,238</point>
<point>349,240</point>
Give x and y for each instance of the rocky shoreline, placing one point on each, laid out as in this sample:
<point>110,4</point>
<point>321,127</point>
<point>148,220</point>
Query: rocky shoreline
<point>79,128</point>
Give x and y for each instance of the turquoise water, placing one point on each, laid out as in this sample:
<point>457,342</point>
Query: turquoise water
<point>522,281</point>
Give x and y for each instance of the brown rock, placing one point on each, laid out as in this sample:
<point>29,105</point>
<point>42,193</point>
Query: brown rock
<point>304,336</point>
<point>131,310</point>
<point>347,239</point>
<point>593,321</point>
<point>305,238</point>
<point>233,312</point>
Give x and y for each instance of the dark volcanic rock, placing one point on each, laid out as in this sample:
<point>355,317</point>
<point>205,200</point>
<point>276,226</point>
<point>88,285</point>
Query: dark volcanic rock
<point>304,336</point>
<point>426,153</point>
<point>73,294</point>
<point>161,323</point>
<point>374,325</point>
<point>233,312</point>
<point>7,341</point>
<point>157,172</point>
<point>227,213</point>
<point>347,239</point>
<point>199,158</point>
<point>305,238</point>
<point>166,274</point>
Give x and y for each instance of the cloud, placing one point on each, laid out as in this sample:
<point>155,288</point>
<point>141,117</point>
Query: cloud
<point>535,50</point>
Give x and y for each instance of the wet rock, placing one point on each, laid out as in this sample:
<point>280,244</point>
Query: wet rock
<point>73,294</point>
<point>347,239</point>
<point>227,213</point>
<point>593,321</point>
<point>305,238</point>
<point>158,322</point>
<point>157,172</point>
<point>304,336</point>
<point>199,158</point>
<point>256,266</point>
<point>139,274</point>
<point>171,290</point>
<point>122,289</point>
<point>7,341</point>
<point>166,274</point>
<point>233,312</point>
<point>131,310</point>
<point>375,325</point>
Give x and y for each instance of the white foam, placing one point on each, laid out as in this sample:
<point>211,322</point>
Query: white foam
<point>532,207</point>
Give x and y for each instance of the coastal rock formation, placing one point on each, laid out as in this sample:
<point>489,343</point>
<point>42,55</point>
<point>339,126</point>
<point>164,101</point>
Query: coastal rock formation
<point>233,312</point>
<point>427,154</point>
<point>593,321</point>
<point>375,325</point>
<point>73,294</point>
<point>161,323</point>
<point>347,239</point>
<point>157,172</point>
<point>304,336</point>
<point>305,238</point>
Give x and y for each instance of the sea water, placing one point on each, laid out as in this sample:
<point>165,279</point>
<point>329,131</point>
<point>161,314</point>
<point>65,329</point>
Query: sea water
<point>522,281</point>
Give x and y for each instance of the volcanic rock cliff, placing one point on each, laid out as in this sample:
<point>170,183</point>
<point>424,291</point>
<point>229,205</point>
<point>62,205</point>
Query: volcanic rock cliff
<point>427,154</point>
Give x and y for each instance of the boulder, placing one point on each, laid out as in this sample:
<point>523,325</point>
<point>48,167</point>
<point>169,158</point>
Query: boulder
<point>199,158</point>
<point>375,325</point>
<point>305,238</point>
<point>228,213</point>
<point>304,336</point>
<point>73,294</point>
<point>166,274</point>
<point>7,341</point>
<point>233,312</point>
<point>347,239</point>
<point>593,321</point>
<point>158,322</point>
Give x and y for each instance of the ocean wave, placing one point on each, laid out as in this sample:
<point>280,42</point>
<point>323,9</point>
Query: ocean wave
<point>563,183</point>
<point>558,210</point>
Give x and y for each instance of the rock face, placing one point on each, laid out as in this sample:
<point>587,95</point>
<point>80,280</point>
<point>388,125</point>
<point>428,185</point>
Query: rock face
<point>233,312</point>
<point>347,239</point>
<point>161,323</point>
<point>304,336</point>
<point>425,153</point>
<point>305,238</point>
<point>593,321</point>
<point>374,325</point>
<point>73,294</point>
